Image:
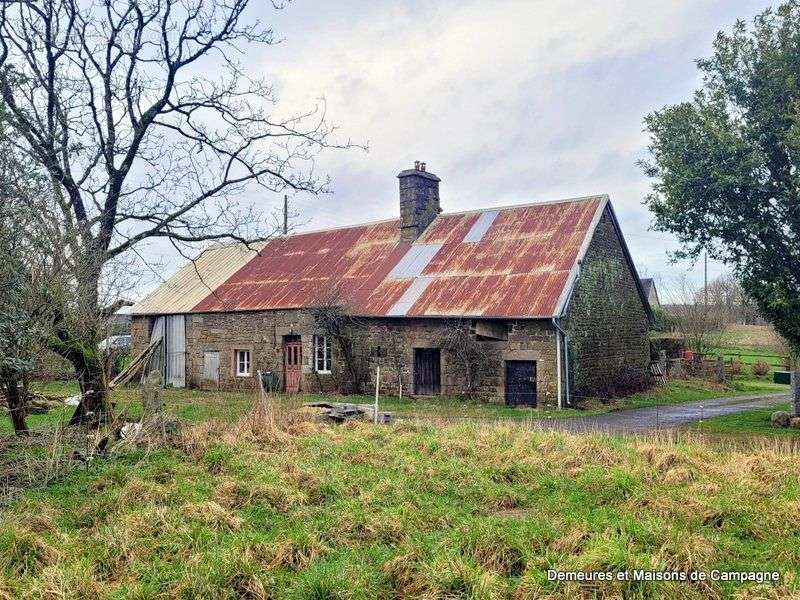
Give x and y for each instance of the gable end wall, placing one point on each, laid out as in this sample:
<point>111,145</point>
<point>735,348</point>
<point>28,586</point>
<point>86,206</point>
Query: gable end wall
<point>606,320</point>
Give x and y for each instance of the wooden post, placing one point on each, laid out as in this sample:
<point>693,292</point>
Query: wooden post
<point>796,393</point>
<point>377,390</point>
<point>720,369</point>
<point>400,380</point>
<point>152,404</point>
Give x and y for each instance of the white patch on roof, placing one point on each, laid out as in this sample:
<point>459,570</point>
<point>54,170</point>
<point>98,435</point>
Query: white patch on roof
<point>411,295</point>
<point>196,280</point>
<point>481,226</point>
<point>414,261</point>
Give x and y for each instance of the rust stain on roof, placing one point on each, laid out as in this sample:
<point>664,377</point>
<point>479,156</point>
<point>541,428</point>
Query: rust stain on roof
<point>296,271</point>
<point>519,266</point>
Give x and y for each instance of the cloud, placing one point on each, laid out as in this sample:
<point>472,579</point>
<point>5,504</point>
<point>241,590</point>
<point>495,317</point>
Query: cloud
<point>508,101</point>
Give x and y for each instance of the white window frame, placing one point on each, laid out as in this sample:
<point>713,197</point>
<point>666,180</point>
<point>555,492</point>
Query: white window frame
<point>246,362</point>
<point>327,354</point>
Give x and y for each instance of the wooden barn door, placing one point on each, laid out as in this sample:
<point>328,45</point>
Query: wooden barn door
<point>427,371</point>
<point>211,368</point>
<point>520,383</point>
<point>292,364</point>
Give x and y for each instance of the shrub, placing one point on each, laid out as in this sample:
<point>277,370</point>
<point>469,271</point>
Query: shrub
<point>780,418</point>
<point>735,368</point>
<point>760,369</point>
<point>662,320</point>
<point>672,345</point>
<point>629,380</point>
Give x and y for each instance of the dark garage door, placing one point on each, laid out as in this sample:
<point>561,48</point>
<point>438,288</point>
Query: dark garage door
<point>521,383</point>
<point>427,371</point>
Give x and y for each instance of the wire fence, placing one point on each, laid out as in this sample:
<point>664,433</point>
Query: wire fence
<point>748,358</point>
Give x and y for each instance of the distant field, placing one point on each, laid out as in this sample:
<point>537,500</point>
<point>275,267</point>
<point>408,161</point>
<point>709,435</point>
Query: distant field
<point>750,344</point>
<point>749,357</point>
<point>753,337</point>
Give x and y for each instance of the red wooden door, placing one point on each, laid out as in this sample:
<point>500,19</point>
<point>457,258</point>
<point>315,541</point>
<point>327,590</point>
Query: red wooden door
<point>292,361</point>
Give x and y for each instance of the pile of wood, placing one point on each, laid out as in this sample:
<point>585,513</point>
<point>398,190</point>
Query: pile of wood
<point>339,412</point>
<point>137,365</point>
<point>35,403</point>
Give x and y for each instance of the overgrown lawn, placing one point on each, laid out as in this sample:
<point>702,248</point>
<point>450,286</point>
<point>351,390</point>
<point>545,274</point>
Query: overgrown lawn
<point>199,405</point>
<point>404,511</point>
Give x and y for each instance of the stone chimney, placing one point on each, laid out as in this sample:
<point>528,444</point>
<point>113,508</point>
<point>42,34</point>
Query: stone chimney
<point>419,200</point>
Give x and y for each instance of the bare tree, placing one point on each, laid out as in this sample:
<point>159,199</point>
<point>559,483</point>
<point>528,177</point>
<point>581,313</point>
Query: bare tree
<point>146,126</point>
<point>727,295</point>
<point>332,314</point>
<point>699,323</point>
<point>468,353</point>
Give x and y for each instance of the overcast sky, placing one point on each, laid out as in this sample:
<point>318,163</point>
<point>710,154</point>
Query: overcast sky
<point>507,102</point>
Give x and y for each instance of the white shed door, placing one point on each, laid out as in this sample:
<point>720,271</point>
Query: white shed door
<point>211,367</point>
<point>175,341</point>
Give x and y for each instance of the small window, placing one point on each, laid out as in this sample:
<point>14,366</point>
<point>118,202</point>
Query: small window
<point>322,354</point>
<point>243,363</point>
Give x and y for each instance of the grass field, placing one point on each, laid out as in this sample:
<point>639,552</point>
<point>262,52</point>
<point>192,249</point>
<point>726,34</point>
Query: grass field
<point>748,423</point>
<point>749,357</point>
<point>753,337</point>
<point>404,511</point>
<point>195,405</point>
<point>752,343</point>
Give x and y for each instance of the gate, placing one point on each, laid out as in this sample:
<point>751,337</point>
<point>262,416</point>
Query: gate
<point>520,383</point>
<point>292,364</point>
<point>427,371</point>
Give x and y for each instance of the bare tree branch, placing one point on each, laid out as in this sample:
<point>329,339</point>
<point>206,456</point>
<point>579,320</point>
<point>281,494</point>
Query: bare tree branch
<point>147,127</point>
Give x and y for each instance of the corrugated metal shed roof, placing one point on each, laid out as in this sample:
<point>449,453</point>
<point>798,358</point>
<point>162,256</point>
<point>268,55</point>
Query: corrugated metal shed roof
<point>508,262</point>
<point>196,280</point>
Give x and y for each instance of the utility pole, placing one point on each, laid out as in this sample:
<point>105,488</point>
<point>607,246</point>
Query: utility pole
<point>285,214</point>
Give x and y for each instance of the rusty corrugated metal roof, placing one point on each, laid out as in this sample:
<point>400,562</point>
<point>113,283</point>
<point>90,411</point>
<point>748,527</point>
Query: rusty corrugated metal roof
<point>298,270</point>
<point>509,262</point>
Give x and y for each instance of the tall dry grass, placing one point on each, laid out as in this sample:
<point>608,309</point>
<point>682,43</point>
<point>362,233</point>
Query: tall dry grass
<point>271,420</point>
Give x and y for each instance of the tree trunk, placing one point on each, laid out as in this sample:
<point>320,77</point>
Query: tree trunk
<point>79,347</point>
<point>93,407</point>
<point>795,406</point>
<point>16,408</point>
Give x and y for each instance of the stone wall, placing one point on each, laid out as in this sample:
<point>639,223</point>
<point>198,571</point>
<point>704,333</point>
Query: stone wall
<point>260,332</point>
<point>606,320</point>
<point>397,338</point>
<point>140,334</point>
<point>387,342</point>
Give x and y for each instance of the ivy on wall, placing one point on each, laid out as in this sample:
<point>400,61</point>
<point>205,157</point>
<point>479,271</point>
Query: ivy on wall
<point>604,327</point>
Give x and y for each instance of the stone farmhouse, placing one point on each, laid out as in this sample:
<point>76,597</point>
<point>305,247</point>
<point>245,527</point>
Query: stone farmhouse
<point>527,304</point>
